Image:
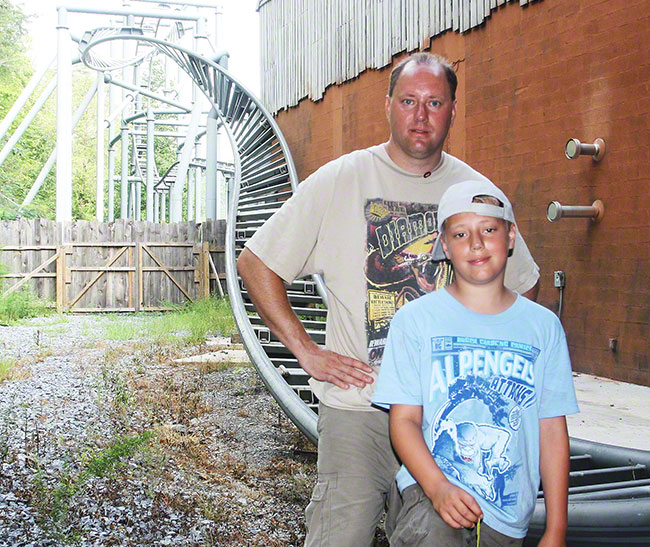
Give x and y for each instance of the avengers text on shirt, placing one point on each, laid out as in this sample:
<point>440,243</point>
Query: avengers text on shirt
<point>484,387</point>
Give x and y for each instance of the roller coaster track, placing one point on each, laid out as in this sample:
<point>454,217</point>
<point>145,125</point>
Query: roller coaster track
<point>264,178</point>
<point>609,499</point>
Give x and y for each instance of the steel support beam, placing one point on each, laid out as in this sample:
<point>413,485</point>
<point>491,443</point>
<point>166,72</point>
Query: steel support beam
<point>124,179</point>
<point>64,120</point>
<point>176,192</point>
<point>111,184</point>
<point>211,166</point>
<point>101,129</point>
<point>151,124</point>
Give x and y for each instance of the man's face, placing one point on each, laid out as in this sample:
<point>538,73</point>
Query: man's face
<point>420,113</point>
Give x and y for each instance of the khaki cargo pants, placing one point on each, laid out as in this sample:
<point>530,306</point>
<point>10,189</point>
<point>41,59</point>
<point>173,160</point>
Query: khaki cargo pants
<point>356,479</point>
<point>419,525</point>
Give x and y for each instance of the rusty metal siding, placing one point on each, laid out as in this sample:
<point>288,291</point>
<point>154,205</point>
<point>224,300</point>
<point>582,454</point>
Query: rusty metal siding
<point>308,45</point>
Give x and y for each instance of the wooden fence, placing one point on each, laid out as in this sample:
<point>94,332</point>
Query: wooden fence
<point>118,266</point>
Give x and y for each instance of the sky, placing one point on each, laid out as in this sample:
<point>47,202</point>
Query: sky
<point>238,30</point>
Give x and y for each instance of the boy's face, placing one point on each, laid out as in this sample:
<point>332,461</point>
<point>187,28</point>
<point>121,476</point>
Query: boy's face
<point>478,247</point>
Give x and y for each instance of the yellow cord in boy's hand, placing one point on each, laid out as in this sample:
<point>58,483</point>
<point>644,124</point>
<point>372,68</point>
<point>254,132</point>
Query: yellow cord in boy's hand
<point>455,506</point>
<point>478,532</point>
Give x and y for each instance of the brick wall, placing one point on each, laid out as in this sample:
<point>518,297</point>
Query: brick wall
<point>530,79</point>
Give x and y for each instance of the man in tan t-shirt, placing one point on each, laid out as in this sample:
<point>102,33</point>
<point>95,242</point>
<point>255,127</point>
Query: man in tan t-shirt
<point>366,222</point>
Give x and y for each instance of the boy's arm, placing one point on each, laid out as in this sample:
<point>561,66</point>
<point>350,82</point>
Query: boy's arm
<point>456,507</point>
<point>554,469</point>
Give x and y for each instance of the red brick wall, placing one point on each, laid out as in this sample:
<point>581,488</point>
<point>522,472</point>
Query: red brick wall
<point>530,79</point>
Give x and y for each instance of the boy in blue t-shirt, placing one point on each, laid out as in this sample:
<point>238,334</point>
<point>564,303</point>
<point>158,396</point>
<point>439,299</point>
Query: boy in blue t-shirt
<point>478,382</point>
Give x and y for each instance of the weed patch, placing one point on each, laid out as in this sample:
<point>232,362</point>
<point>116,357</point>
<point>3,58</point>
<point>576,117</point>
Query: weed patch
<point>109,458</point>
<point>20,304</point>
<point>117,385</point>
<point>7,368</point>
<point>178,439</point>
<point>122,329</point>
<point>193,321</point>
<point>207,367</point>
<point>54,499</point>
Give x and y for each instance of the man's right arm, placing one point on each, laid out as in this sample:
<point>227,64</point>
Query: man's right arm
<point>267,291</point>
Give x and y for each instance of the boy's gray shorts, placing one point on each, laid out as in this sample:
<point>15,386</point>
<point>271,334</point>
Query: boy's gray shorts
<point>356,479</point>
<point>419,525</point>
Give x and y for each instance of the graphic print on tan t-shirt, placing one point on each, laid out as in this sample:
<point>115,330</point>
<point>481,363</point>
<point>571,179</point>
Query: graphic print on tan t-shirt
<point>399,267</point>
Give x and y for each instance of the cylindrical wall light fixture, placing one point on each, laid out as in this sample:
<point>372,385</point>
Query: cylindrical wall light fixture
<point>574,148</point>
<point>555,211</point>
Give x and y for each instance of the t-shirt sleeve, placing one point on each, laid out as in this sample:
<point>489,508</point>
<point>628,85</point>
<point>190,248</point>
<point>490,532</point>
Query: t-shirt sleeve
<point>521,270</point>
<point>287,242</point>
<point>399,377</point>
<point>558,396</point>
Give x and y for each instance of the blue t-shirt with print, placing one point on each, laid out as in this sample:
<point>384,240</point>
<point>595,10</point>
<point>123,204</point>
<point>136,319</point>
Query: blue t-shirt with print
<point>484,382</point>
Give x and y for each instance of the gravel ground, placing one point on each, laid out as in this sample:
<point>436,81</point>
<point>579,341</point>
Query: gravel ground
<point>113,443</point>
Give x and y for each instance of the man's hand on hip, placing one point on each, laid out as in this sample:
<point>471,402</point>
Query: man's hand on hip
<point>269,295</point>
<point>342,371</point>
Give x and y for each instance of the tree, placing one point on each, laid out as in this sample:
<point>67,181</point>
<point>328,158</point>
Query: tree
<point>23,165</point>
<point>15,71</point>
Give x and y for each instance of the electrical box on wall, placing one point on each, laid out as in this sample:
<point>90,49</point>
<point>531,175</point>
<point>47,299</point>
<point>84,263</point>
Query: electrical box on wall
<point>559,279</point>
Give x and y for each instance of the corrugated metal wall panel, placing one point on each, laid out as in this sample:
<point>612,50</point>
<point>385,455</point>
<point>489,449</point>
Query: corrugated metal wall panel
<point>308,45</point>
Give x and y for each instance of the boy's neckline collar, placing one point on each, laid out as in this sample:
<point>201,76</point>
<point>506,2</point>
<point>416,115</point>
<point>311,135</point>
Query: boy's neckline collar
<point>496,315</point>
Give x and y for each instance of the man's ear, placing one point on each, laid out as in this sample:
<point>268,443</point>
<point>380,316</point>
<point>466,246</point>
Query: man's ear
<point>453,113</point>
<point>387,108</point>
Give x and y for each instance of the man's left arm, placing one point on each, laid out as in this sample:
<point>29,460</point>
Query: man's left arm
<point>554,469</point>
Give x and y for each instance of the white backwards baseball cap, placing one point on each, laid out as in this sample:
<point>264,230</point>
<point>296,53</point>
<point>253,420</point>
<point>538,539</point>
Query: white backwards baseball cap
<point>459,199</point>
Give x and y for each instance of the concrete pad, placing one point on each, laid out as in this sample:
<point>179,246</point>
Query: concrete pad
<point>222,342</point>
<point>611,412</point>
<point>219,356</point>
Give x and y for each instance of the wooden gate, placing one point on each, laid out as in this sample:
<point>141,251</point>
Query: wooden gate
<point>124,276</point>
<point>123,265</point>
<point>39,272</point>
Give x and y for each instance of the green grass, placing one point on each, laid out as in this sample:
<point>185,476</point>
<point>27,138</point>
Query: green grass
<point>54,501</point>
<point>21,304</point>
<point>186,324</point>
<point>50,320</point>
<point>7,367</point>
<point>124,328</point>
<point>58,329</point>
<point>114,455</point>
<point>194,320</point>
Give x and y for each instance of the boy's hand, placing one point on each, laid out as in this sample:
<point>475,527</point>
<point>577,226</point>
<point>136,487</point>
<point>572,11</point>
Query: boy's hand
<point>456,507</point>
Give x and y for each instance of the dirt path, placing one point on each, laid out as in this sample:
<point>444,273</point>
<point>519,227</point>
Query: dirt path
<point>113,443</point>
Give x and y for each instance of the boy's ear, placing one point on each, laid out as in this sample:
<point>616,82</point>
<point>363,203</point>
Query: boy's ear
<point>444,246</point>
<point>511,239</point>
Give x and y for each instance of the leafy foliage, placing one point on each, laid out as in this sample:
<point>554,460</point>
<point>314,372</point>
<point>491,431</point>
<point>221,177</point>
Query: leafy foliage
<point>15,71</point>
<point>19,304</point>
<point>24,163</point>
